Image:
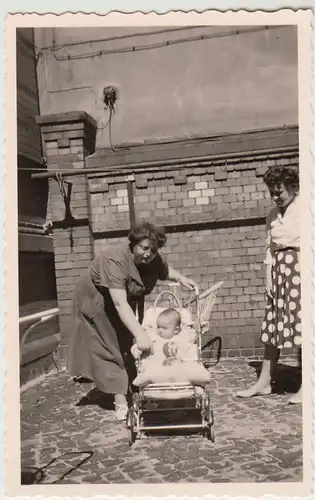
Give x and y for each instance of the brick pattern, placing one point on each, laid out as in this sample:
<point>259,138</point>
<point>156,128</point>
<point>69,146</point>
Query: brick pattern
<point>79,198</point>
<point>203,198</point>
<point>205,193</point>
<point>101,243</point>
<point>67,142</point>
<point>234,256</point>
<point>109,209</point>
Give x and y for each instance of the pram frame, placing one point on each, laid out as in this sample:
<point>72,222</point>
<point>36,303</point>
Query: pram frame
<point>200,403</point>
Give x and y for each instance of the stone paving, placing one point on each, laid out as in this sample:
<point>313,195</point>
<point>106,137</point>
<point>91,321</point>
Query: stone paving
<point>70,436</point>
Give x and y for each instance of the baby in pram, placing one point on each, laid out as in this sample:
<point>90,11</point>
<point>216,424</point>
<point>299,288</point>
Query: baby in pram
<point>174,354</point>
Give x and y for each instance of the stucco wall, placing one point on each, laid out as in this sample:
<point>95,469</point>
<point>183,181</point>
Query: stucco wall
<point>221,84</point>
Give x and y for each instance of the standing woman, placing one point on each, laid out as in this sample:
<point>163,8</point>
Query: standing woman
<point>104,306</point>
<point>281,327</point>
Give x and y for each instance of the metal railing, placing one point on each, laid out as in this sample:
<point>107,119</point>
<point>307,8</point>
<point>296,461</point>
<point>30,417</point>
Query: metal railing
<point>36,319</point>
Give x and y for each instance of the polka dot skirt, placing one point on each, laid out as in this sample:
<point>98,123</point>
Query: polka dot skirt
<point>282,322</point>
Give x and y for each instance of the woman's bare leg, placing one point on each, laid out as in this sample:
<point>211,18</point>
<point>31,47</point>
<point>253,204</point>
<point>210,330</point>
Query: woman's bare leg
<point>120,399</point>
<point>297,397</point>
<point>121,406</point>
<point>263,384</point>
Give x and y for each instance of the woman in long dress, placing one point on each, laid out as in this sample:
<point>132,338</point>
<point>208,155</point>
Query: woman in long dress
<point>105,325</point>
<point>281,327</point>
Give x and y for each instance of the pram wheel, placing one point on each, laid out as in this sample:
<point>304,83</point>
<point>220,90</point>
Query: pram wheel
<point>130,423</point>
<point>135,401</point>
<point>210,421</point>
<point>210,430</point>
<point>210,434</point>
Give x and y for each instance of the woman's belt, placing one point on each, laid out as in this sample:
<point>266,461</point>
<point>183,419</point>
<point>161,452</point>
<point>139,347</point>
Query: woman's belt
<point>283,249</point>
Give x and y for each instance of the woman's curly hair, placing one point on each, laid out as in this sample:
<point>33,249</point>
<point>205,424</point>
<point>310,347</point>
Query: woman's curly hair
<point>146,230</point>
<point>286,175</point>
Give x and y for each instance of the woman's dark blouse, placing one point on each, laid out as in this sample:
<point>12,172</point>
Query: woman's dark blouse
<point>115,268</point>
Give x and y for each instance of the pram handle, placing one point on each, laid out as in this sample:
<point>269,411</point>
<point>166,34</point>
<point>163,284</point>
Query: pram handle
<point>205,294</point>
<point>167,292</point>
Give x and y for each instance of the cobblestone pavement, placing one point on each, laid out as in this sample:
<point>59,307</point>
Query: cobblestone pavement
<point>257,440</point>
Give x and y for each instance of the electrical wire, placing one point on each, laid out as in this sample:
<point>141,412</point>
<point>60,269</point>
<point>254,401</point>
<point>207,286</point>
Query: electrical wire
<point>54,48</point>
<point>104,126</point>
<point>293,155</point>
<point>111,112</point>
<point>163,44</point>
<point>121,148</point>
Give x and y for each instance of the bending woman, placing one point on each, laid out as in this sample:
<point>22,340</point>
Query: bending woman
<point>281,327</point>
<point>104,311</point>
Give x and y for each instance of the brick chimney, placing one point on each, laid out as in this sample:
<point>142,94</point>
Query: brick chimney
<point>68,138</point>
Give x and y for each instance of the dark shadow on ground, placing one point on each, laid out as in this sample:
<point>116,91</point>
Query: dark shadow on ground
<point>75,460</point>
<point>82,380</point>
<point>31,475</point>
<point>96,397</point>
<point>286,378</point>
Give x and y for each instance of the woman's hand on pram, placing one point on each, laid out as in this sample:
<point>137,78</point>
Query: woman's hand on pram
<point>144,343</point>
<point>189,283</point>
<point>182,280</point>
<point>135,351</point>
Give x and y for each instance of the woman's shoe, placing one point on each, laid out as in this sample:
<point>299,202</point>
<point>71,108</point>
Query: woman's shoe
<point>296,398</point>
<point>121,411</point>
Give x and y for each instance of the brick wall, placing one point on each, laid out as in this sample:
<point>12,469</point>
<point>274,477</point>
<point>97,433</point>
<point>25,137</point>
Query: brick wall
<point>195,194</point>
<point>235,256</point>
<point>227,205</point>
<point>212,205</point>
<point>68,138</point>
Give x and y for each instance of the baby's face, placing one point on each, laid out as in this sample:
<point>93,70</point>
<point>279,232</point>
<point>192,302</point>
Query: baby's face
<point>166,329</point>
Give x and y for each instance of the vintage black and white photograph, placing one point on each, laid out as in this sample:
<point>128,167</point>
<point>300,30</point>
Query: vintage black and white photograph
<point>162,228</point>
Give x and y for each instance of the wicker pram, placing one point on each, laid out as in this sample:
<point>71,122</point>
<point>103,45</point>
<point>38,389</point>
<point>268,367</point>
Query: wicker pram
<point>160,408</point>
